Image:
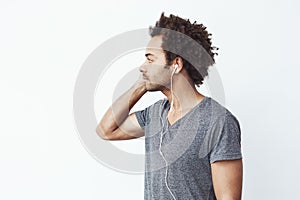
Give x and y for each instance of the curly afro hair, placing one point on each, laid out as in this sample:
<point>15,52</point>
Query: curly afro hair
<point>202,52</point>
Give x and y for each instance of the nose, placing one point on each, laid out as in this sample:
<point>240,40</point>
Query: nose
<point>142,68</point>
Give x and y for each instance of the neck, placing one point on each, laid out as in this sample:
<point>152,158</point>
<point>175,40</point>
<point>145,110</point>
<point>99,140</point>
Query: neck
<point>185,96</point>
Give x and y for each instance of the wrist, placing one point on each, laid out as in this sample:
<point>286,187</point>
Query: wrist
<point>140,88</point>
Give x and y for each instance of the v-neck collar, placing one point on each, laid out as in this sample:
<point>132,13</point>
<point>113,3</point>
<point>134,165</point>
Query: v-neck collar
<point>184,116</point>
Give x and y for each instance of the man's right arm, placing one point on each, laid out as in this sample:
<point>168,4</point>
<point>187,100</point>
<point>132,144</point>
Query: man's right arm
<point>117,123</point>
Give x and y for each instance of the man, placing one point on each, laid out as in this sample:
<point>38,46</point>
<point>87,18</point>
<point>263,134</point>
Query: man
<point>192,142</point>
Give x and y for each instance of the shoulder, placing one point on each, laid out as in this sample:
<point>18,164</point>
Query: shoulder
<point>221,114</point>
<point>156,106</point>
<point>145,115</point>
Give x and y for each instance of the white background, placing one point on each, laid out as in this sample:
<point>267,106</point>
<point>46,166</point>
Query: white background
<point>44,43</point>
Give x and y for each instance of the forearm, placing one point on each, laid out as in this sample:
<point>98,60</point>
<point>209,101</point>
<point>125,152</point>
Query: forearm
<point>227,176</point>
<point>119,110</point>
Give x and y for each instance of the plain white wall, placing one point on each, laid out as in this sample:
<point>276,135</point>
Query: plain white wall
<point>44,43</point>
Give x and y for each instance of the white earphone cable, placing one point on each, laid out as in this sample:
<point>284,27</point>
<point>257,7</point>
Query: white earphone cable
<point>172,101</point>
<point>161,137</point>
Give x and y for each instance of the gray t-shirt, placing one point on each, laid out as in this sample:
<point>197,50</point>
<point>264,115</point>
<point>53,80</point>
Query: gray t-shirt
<point>207,133</point>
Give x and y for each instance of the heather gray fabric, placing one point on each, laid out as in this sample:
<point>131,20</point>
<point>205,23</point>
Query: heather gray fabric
<point>207,133</point>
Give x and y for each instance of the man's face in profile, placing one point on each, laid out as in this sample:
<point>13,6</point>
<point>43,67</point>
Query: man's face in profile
<point>155,72</point>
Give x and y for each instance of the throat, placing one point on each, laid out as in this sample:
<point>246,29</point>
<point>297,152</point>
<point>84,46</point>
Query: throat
<point>174,116</point>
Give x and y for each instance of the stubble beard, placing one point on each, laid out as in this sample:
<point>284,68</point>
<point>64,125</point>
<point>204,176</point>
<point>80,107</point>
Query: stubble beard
<point>152,87</point>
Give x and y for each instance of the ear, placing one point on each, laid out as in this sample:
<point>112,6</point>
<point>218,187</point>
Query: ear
<point>179,63</point>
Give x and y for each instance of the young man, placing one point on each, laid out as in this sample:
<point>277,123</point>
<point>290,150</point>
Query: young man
<point>192,143</point>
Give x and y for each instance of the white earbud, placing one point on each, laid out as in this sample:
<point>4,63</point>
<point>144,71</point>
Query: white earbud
<point>176,66</point>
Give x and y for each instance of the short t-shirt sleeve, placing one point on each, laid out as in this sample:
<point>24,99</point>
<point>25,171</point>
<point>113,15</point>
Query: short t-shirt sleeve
<point>142,116</point>
<point>228,146</point>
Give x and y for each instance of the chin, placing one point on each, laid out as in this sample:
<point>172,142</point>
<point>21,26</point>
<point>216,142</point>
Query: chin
<point>153,88</point>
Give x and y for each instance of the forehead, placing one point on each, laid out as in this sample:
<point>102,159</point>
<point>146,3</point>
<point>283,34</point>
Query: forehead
<point>154,45</point>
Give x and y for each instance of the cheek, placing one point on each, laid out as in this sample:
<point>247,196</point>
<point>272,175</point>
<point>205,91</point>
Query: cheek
<point>159,72</point>
<point>162,77</point>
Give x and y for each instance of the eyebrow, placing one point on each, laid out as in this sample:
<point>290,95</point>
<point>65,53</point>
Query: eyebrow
<point>150,54</point>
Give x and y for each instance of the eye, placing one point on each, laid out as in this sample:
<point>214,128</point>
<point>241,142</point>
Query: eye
<point>150,60</point>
